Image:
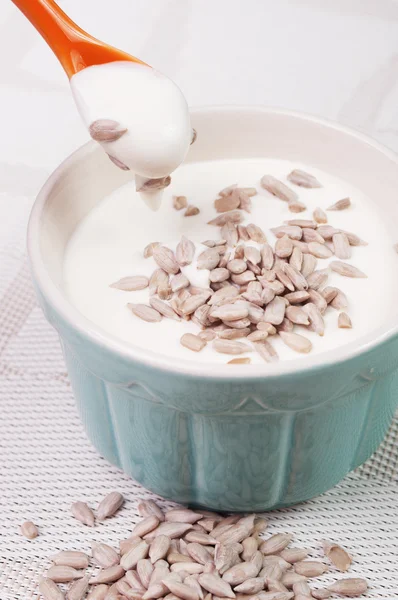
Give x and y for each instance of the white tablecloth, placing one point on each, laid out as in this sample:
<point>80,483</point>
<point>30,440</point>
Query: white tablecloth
<point>335,58</point>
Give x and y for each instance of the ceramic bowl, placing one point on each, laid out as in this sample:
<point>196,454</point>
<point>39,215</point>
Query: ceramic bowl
<point>249,439</point>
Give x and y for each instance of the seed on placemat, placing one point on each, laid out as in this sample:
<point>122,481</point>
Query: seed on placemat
<point>83,513</point>
<point>29,530</point>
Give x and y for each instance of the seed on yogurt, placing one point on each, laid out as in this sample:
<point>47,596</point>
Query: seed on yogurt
<point>341,204</point>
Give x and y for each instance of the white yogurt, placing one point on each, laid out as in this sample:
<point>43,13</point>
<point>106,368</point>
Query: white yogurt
<point>148,104</point>
<point>108,244</point>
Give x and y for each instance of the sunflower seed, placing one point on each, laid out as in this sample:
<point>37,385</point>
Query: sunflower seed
<point>215,585</point>
<point>234,334</point>
<point>283,278</point>
<point>234,216</point>
<point>283,247</point>
<point>29,530</point>
<point>317,323</point>
<point>148,250</point>
<point>349,587</point>
<point>292,231</point>
<point>252,254</point>
<point>187,567</point>
<point>268,294</point>
<point>345,269</point>
<point>208,259</point>
<point>272,572</point>
<point>163,308</point>
<point>146,508</point>
<point>63,574</point>
<point>337,555</point>
<point>229,232</point>
<point>240,573</point>
<point>286,326</point>
<point>341,204</point>
<point>172,530</point>
<point>150,185</point>
<point>165,259</point>
<point>296,315</point>
<point>199,553</point>
<point>297,297</point>
<point>126,545</point>
<point>105,556</point>
<point>321,594</point>
<point>271,559</point>
<point>250,546</point>
<point>106,130</point>
<point>242,233</point>
<point>49,590</point>
<point>131,558</point>
<point>310,568</point>
<point>293,555</point>
<point>158,278</point>
<point>83,513</point>
<point>165,292</point>
<point>296,342</point>
<point>317,299</point>
<point>339,302</point>
<point>245,200</point>
<point>157,590</point>
<point>71,558</point>
<point>296,206</point>
<point>243,278</point>
<point>317,278</point>
<point>320,216</point>
<point>341,245</point>
<point>192,342</point>
<point>298,280</point>
<point>191,211</point>
<point>290,578</point>
<point>251,586</point>
<point>144,312</point>
<point>266,351</point>
<point>182,515</point>
<point>256,233</point>
<point>227,190</point>
<point>180,202</point>
<point>185,252</point>
<point>230,347</point>
<point>236,266</point>
<point>78,589</point>
<point>145,526</point>
<point>230,312</point>
<point>145,570</point>
<point>296,258</point>
<point>227,202</point>
<point>181,590</point>
<point>191,304</point>
<point>275,311</point>
<point>301,588</point>
<point>159,548</point>
<point>344,321</point>
<point>327,231</point>
<point>303,179</point>
<point>277,287</point>
<point>354,240</point>
<point>319,250</point>
<point>302,245</point>
<point>219,274</point>
<point>118,163</point>
<point>223,294</point>
<point>278,189</point>
<point>131,284</point>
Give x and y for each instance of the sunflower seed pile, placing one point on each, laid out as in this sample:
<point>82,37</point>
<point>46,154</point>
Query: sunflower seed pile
<point>256,289</point>
<point>182,554</point>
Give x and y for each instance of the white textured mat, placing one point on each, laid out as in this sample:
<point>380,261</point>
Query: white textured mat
<point>338,59</point>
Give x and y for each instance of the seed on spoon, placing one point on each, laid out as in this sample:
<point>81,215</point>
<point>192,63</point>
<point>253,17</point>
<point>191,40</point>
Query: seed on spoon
<point>151,185</point>
<point>106,130</point>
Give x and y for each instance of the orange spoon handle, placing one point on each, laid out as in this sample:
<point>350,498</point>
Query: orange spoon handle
<point>74,48</point>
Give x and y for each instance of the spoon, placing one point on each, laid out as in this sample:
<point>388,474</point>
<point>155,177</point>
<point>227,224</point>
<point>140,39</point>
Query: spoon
<point>139,116</point>
<point>74,48</point>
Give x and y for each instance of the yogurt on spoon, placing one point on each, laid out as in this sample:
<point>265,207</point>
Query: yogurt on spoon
<point>141,119</point>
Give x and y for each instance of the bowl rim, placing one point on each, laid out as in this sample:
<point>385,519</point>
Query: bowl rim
<point>99,337</point>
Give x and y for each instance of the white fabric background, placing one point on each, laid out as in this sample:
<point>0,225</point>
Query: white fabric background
<point>335,58</point>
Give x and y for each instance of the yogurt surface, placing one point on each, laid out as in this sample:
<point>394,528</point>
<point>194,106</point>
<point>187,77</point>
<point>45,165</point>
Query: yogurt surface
<point>108,245</point>
<point>145,103</point>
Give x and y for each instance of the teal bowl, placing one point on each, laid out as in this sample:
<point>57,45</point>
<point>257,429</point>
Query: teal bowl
<point>251,439</point>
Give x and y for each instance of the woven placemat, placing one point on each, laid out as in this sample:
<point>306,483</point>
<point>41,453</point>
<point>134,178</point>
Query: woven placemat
<point>46,463</point>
